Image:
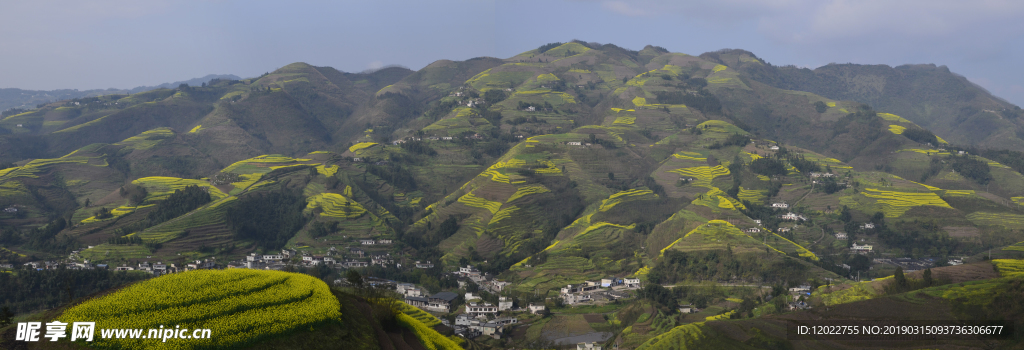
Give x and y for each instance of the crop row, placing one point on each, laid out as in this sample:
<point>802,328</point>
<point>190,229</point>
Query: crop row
<point>625,196</point>
<point>895,203</point>
<point>690,156</point>
<point>160,187</point>
<point>336,205</point>
<point>239,306</point>
<point>893,118</point>
<point>930,152</point>
<point>503,214</point>
<point>426,335</point>
<point>528,190</point>
<point>754,196</point>
<point>599,225</point>
<point>473,201</point>
<point>897,129</point>
<point>702,174</point>
<point>147,139</point>
<point>1009,267</point>
<point>327,171</point>
<point>1012,221</point>
<point>624,121</point>
<point>269,158</point>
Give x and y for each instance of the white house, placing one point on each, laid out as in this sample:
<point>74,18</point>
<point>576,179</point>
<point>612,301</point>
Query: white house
<point>840,235</point>
<point>481,308</point>
<point>446,138</point>
<point>574,143</point>
<point>631,282</point>
<point>531,109</point>
<point>774,148</point>
<point>792,216</point>
<point>504,303</point>
<point>383,241</point>
<point>803,288</point>
<point>424,265</point>
<point>576,298</point>
<point>867,226</point>
<point>607,282</point>
<point>860,248</point>
<point>536,308</point>
<point>751,230</point>
<point>367,242</point>
<point>685,309</point>
<point>588,346</point>
<point>780,205</point>
<point>506,320</point>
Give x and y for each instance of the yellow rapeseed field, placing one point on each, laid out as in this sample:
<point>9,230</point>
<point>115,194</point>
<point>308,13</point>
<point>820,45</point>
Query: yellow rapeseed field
<point>239,306</point>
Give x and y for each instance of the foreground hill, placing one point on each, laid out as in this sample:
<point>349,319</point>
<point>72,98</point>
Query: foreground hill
<point>242,309</point>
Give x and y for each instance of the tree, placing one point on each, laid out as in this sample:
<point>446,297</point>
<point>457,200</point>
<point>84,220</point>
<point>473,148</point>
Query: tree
<point>899,279</point>
<point>928,277</point>
<point>611,176</point>
<point>354,278</point>
<point>6,316</point>
<point>820,107</point>
<point>845,214</point>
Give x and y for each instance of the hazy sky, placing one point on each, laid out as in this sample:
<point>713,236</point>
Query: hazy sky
<point>86,44</point>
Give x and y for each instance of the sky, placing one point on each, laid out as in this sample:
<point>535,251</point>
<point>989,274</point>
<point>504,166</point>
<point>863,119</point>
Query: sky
<point>89,44</point>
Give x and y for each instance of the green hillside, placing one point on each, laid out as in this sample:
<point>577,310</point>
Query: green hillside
<point>712,178</point>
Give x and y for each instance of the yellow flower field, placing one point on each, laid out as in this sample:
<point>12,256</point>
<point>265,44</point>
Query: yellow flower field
<point>894,203</point>
<point>240,306</point>
<point>702,174</point>
<point>335,205</point>
<point>160,187</point>
<point>361,146</point>
<point>1009,267</point>
<point>476,202</point>
<point>625,196</point>
<point>528,190</point>
<point>624,121</point>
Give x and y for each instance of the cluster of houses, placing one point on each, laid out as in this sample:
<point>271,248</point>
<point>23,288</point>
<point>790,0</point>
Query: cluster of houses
<point>440,302</point>
<point>469,274</point>
<point>793,216</point>
<point>606,289</point>
<point>469,326</point>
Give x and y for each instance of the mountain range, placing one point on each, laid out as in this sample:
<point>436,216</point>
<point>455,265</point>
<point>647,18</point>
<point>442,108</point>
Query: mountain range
<point>567,163</point>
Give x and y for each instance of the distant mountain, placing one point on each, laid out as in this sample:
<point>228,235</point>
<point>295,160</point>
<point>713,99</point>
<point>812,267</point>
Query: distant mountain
<point>928,95</point>
<point>29,99</point>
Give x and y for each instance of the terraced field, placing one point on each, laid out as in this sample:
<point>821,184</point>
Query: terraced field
<point>160,187</point>
<point>895,203</point>
<point>1009,267</point>
<point>626,196</point>
<point>240,306</point>
<point>260,164</point>
<point>702,175</point>
<point>1007,220</point>
<point>147,139</point>
<point>335,205</point>
<point>476,202</point>
<point>528,190</point>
